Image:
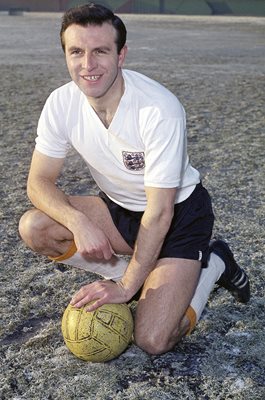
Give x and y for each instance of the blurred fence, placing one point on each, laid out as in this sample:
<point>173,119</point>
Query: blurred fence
<point>181,7</point>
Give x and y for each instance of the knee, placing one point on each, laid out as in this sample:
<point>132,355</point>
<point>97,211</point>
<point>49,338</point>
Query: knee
<point>155,343</point>
<point>29,226</point>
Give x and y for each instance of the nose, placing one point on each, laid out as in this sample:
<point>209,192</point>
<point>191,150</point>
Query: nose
<point>89,62</point>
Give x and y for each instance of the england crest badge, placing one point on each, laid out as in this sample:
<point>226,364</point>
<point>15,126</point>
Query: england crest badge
<point>134,161</point>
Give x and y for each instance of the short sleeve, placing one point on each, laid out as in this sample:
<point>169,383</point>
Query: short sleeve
<point>51,132</point>
<point>165,151</point>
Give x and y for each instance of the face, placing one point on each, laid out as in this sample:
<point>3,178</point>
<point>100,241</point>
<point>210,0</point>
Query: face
<point>92,59</point>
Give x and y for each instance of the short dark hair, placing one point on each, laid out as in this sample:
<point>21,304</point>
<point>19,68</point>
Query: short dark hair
<point>94,14</point>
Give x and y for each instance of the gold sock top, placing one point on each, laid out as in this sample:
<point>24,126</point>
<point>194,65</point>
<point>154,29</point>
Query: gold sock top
<point>69,253</point>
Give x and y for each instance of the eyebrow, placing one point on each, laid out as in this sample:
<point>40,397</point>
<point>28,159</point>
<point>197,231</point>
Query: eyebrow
<point>104,48</point>
<point>74,48</point>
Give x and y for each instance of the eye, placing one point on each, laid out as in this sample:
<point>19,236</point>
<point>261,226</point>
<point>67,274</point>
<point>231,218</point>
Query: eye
<point>100,51</point>
<point>76,52</point>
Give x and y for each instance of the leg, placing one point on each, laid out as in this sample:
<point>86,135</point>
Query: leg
<point>45,236</point>
<point>166,295</point>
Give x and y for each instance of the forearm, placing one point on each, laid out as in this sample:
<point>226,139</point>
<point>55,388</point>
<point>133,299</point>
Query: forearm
<point>152,232</point>
<point>47,197</point>
<point>89,239</point>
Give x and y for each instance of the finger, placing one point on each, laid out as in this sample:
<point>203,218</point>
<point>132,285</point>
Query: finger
<point>76,297</point>
<point>91,254</point>
<point>108,252</point>
<point>95,305</point>
<point>82,302</point>
<point>81,294</point>
<point>88,298</point>
<point>92,291</point>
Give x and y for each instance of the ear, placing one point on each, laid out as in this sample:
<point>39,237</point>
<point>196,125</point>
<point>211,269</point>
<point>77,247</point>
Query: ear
<point>122,55</point>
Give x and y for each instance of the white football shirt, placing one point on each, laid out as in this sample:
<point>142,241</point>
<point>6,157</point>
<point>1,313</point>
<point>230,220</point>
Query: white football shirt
<point>145,144</point>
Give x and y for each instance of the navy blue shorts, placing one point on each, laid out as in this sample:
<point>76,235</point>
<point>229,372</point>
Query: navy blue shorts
<point>190,230</point>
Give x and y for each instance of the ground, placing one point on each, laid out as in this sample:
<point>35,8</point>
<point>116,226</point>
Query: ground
<point>216,68</point>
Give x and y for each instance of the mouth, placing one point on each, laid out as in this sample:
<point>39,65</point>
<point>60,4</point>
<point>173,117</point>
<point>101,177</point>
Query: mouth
<point>91,78</point>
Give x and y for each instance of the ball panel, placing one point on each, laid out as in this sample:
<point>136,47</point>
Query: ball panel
<point>70,322</point>
<point>90,350</point>
<point>100,335</point>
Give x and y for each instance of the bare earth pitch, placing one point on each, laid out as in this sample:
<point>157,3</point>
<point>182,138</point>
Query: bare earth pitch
<point>216,68</point>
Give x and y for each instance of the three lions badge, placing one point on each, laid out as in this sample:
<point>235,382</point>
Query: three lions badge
<point>134,161</point>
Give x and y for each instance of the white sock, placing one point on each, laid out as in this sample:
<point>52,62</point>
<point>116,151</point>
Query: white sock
<point>112,269</point>
<point>207,280</point>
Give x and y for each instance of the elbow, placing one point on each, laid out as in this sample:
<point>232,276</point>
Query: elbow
<point>30,190</point>
<point>162,217</point>
<point>160,207</point>
<point>33,189</point>
<point>166,217</point>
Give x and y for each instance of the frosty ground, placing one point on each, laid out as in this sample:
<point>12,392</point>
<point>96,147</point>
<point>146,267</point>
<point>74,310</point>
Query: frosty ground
<point>216,68</point>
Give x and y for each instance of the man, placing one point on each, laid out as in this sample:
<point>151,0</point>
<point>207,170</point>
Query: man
<point>131,132</point>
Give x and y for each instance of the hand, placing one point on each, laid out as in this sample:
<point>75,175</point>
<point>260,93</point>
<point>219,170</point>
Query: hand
<point>103,292</point>
<point>91,242</point>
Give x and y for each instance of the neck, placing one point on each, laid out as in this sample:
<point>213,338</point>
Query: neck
<point>106,106</point>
